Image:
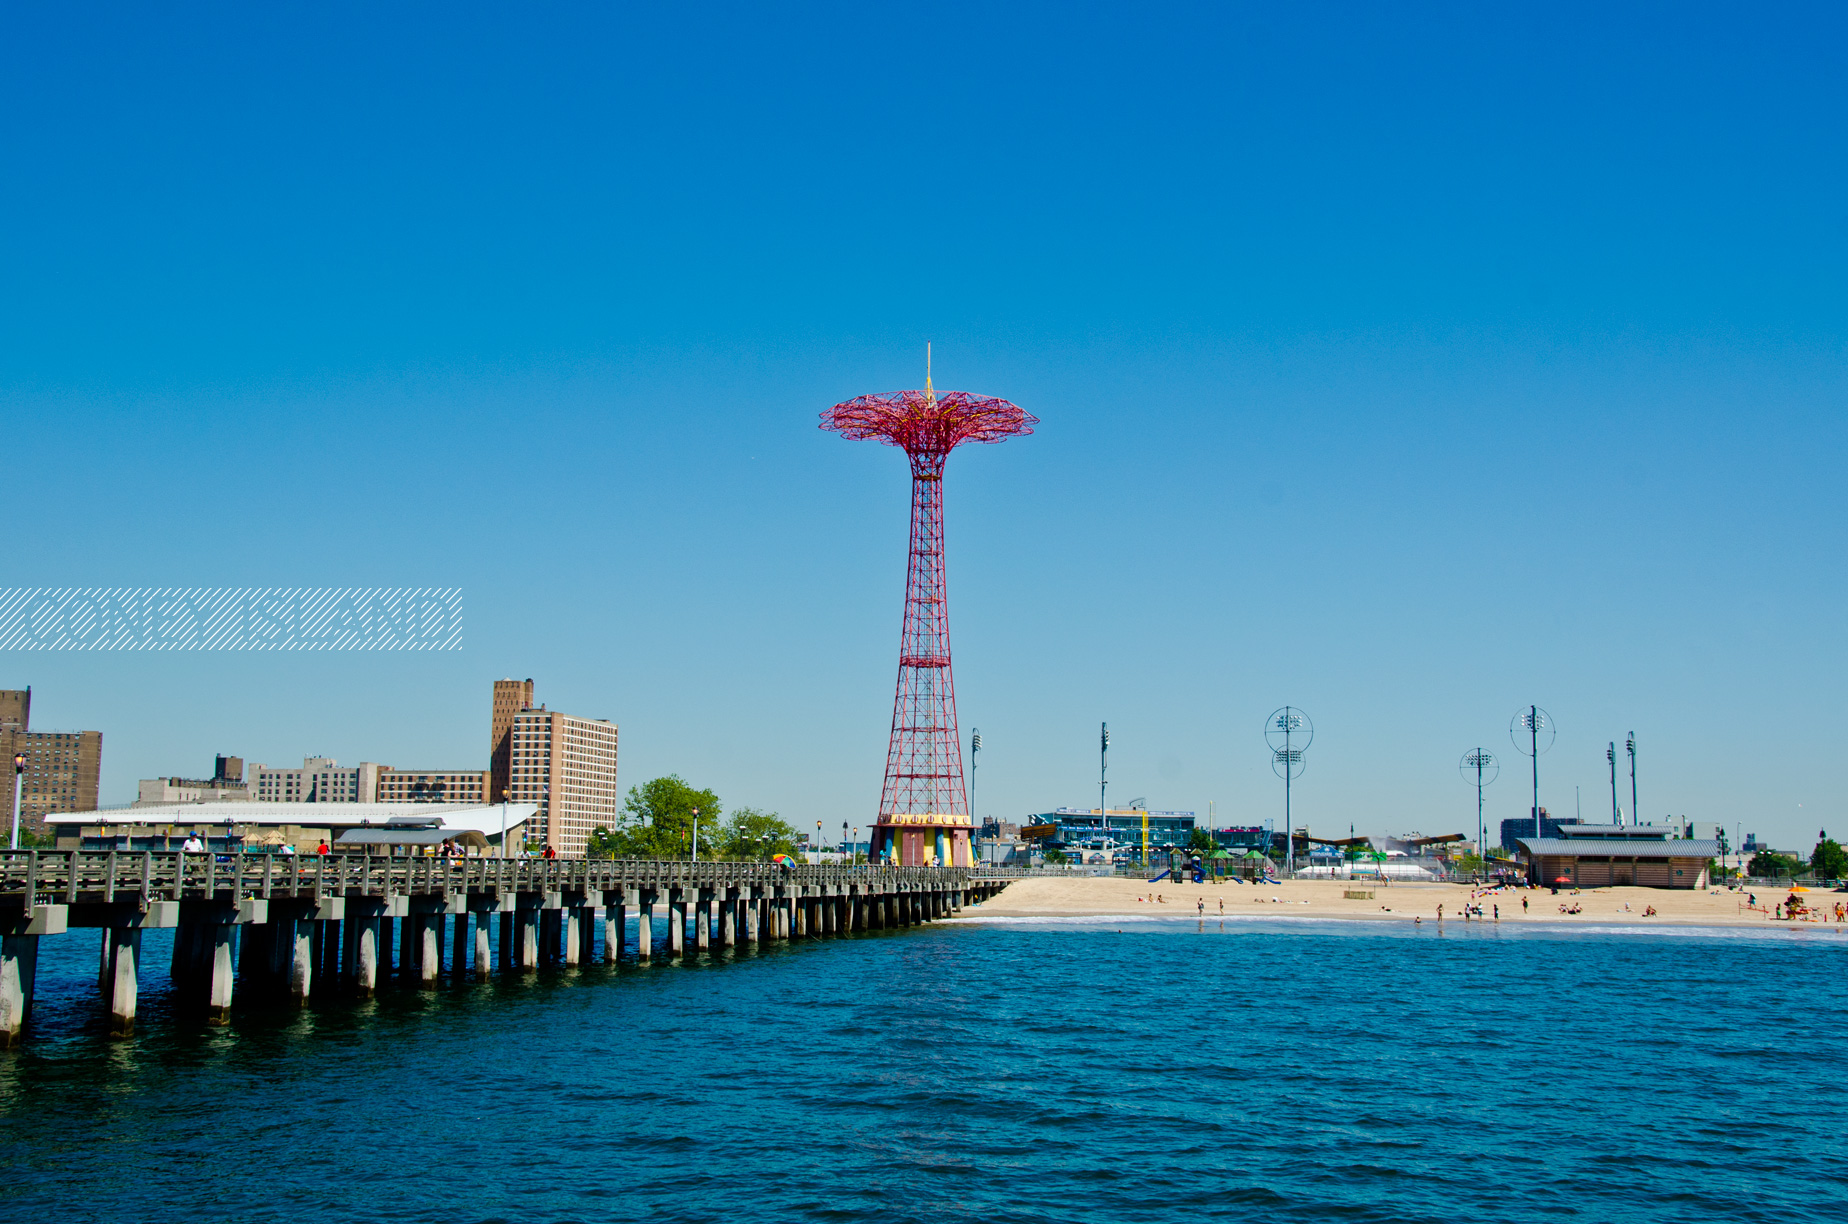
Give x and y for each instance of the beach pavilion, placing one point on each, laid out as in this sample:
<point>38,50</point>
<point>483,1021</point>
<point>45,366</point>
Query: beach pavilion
<point>1601,856</point>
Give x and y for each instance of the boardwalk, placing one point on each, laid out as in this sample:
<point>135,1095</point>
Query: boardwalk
<point>287,927</point>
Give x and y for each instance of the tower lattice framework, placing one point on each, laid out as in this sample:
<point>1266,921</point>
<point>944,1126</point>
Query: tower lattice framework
<point>924,816</point>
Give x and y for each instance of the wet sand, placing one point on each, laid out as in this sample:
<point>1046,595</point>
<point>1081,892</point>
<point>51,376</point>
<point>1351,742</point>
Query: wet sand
<point>1082,896</point>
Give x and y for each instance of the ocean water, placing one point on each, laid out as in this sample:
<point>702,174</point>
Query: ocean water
<point>1158,1070</point>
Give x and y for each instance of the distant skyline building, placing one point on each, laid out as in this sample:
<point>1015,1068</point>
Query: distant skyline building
<point>566,768</point>
<point>63,768</point>
<point>510,697</point>
<point>226,785</point>
<point>319,780</point>
<point>432,785</point>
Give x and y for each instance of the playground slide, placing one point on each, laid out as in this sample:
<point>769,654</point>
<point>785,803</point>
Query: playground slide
<point>1164,875</point>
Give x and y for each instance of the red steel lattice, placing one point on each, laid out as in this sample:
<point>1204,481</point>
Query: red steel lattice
<point>924,809</point>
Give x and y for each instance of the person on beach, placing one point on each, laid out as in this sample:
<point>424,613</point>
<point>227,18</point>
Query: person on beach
<point>1498,913</point>
<point>1440,911</point>
<point>1222,909</point>
<point>1523,905</point>
<point>1200,904</point>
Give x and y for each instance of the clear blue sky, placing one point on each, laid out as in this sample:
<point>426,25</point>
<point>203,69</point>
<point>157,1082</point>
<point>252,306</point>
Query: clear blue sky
<point>1404,363</point>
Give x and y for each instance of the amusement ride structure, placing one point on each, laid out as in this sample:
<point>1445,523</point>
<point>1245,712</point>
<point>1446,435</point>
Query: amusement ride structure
<point>924,817</point>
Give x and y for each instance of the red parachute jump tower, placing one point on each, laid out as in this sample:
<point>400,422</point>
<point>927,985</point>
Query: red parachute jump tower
<point>924,817</point>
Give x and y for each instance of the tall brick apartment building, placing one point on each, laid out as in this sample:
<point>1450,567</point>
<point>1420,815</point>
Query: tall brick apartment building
<point>63,768</point>
<point>510,697</point>
<point>563,765</point>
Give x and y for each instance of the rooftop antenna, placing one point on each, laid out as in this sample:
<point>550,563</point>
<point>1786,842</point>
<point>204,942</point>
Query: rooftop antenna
<point>930,392</point>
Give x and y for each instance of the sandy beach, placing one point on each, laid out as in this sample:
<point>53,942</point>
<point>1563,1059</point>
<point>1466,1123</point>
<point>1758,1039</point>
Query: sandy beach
<point>1053,896</point>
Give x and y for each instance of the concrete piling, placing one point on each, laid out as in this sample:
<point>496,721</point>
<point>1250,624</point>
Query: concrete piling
<point>644,925</point>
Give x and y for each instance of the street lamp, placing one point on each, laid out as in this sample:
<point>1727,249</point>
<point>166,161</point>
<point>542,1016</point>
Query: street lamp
<point>696,835</point>
<point>19,777</point>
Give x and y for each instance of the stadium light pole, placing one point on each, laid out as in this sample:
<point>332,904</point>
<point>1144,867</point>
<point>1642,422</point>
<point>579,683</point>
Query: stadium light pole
<point>1527,725</point>
<point>1103,772</point>
<point>1629,745</point>
<point>1285,727</point>
<point>1610,754</point>
<point>975,750</point>
<point>1485,769</point>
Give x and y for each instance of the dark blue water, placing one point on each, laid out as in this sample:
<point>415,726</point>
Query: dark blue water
<point>978,1072</point>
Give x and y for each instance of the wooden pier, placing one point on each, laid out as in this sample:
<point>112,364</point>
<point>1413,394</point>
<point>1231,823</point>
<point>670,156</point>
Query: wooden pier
<point>287,927</point>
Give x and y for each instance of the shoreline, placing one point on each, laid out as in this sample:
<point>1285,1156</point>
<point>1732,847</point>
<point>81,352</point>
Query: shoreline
<point>1110,898</point>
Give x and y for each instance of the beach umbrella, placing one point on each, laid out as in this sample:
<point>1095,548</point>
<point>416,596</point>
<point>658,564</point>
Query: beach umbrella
<point>1563,880</point>
<point>1799,888</point>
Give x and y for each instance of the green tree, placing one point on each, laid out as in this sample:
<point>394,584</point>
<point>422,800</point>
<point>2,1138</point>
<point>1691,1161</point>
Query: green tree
<point>1769,863</point>
<point>1828,860</point>
<point>753,835</point>
<point>1200,842</point>
<point>657,820</point>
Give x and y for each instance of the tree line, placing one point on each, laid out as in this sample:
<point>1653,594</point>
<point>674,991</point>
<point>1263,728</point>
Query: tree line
<point>658,818</point>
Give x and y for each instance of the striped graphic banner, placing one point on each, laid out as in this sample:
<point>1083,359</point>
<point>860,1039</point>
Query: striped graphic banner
<point>230,618</point>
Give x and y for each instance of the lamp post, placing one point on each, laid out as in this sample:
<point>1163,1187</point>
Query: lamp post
<point>19,777</point>
<point>856,842</point>
<point>1485,769</point>
<point>1288,733</point>
<point>818,842</point>
<point>696,835</point>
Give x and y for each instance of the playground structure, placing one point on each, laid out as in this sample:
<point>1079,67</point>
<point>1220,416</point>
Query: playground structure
<point>924,817</point>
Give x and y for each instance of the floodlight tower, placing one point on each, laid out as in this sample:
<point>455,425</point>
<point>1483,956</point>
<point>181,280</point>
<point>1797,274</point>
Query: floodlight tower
<point>924,817</point>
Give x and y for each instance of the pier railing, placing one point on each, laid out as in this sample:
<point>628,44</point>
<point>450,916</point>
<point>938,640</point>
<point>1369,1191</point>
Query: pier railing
<point>73,877</point>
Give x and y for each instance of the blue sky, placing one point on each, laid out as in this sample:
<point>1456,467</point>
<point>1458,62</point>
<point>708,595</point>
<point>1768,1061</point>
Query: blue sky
<point>1406,364</point>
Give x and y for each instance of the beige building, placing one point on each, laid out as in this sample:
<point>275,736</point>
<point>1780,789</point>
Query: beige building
<point>319,780</point>
<point>226,785</point>
<point>566,768</point>
<point>432,785</point>
<point>63,768</point>
<point>510,697</point>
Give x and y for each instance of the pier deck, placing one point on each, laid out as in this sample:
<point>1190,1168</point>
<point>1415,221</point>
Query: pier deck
<point>287,926</point>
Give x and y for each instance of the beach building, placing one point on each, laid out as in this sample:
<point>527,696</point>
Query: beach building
<point>1603,855</point>
<point>258,826</point>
